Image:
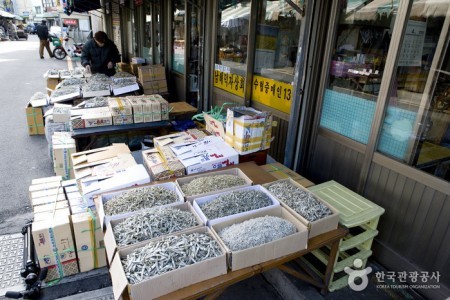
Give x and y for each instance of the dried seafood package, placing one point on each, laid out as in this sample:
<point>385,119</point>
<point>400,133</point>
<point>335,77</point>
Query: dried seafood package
<point>65,94</point>
<point>95,89</point>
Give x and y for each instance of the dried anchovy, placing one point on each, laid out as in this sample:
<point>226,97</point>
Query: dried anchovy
<point>96,86</point>
<point>71,82</point>
<point>139,198</point>
<point>123,75</point>
<point>64,73</point>
<point>122,82</point>
<point>77,72</point>
<point>65,91</point>
<point>255,232</point>
<point>169,253</point>
<point>152,223</point>
<point>235,202</point>
<point>207,184</point>
<point>96,102</point>
<point>303,202</point>
<point>53,72</point>
<point>99,77</point>
<point>38,96</point>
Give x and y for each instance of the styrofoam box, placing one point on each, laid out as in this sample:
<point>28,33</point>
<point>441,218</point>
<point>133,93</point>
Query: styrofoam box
<point>110,240</point>
<point>125,89</point>
<point>101,199</point>
<point>252,256</point>
<point>198,201</point>
<point>236,171</point>
<point>89,94</point>
<point>319,226</point>
<point>168,282</point>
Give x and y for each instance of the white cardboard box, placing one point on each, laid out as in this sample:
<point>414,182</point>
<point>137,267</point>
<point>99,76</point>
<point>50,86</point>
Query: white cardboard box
<point>252,256</point>
<point>110,240</point>
<point>319,226</point>
<point>235,171</point>
<point>125,89</point>
<point>199,201</point>
<point>101,199</point>
<point>168,282</point>
<point>47,199</point>
<point>120,106</point>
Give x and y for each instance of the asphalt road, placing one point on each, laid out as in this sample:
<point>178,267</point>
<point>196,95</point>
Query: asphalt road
<point>22,157</point>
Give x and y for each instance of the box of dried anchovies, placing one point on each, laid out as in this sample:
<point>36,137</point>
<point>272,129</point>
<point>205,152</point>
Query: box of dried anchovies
<point>202,256</point>
<point>312,211</point>
<point>213,182</point>
<point>142,226</point>
<point>220,207</point>
<point>120,204</point>
<point>261,236</point>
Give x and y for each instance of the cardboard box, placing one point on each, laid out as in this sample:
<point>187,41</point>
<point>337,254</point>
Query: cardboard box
<point>248,130</point>
<point>51,206</point>
<point>120,106</point>
<point>103,198</point>
<point>97,120</point>
<point>123,178</point>
<point>46,179</point>
<point>103,89</point>
<point>214,126</point>
<point>43,186</point>
<point>319,226</point>
<point>159,169</point>
<point>51,84</point>
<point>147,110</point>
<point>167,282</point>
<point>84,161</point>
<point>49,192</point>
<point>35,120</point>
<point>199,201</point>
<point>256,255</point>
<point>164,107</point>
<point>151,73</point>
<point>55,247</point>
<point>61,114</point>
<point>134,68</point>
<point>47,200</point>
<point>125,89</point>
<point>280,171</point>
<point>207,157</point>
<point>89,240</point>
<point>62,147</point>
<point>171,139</point>
<point>48,215</point>
<point>65,94</point>
<point>122,120</point>
<point>235,171</point>
<point>110,240</point>
<point>138,115</point>
<point>123,67</point>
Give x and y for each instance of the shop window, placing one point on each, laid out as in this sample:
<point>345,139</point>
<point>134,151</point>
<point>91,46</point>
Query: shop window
<point>178,36</point>
<point>276,46</point>
<point>151,26</point>
<point>356,68</point>
<point>232,40</point>
<point>416,128</point>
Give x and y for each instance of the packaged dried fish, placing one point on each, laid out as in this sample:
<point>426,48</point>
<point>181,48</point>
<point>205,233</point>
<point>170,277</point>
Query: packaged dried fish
<point>255,232</point>
<point>71,82</point>
<point>152,223</point>
<point>301,201</point>
<point>139,198</point>
<point>96,102</point>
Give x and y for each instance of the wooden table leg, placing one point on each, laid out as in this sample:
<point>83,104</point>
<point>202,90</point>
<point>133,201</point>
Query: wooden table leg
<point>330,266</point>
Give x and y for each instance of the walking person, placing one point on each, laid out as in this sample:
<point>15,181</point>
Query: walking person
<point>100,55</point>
<point>42,32</point>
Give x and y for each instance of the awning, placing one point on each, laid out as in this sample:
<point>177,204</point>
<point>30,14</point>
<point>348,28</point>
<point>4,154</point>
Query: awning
<point>80,6</point>
<point>6,14</point>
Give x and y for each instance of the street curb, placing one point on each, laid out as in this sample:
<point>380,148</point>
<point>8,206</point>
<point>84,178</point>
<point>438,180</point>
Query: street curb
<point>283,285</point>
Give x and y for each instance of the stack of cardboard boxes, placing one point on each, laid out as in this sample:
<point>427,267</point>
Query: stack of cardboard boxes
<point>153,79</point>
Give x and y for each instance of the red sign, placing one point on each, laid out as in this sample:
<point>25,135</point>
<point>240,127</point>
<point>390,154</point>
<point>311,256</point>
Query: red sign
<point>138,2</point>
<point>70,22</point>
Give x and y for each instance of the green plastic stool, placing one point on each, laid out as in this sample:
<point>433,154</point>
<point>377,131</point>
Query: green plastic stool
<point>354,211</point>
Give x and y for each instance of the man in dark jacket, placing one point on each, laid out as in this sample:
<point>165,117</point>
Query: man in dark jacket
<point>100,55</point>
<point>42,32</point>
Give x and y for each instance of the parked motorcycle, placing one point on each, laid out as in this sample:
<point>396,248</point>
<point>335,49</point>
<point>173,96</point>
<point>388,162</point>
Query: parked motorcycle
<point>62,47</point>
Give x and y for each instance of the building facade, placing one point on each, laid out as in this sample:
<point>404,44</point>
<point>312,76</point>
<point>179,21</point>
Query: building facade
<point>359,90</point>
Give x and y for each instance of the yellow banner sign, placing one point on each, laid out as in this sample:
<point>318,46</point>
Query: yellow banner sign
<point>272,93</point>
<point>231,83</point>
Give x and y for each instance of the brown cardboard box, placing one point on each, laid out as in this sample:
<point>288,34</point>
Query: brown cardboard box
<point>151,73</point>
<point>42,187</point>
<point>51,207</point>
<point>252,256</point>
<point>55,247</point>
<point>319,226</point>
<point>110,240</point>
<point>120,106</point>
<point>124,67</point>
<point>89,241</point>
<point>167,282</point>
<point>47,199</point>
<point>160,169</point>
<point>51,84</point>
<point>35,120</point>
<point>63,145</point>
<point>280,171</point>
<point>134,69</point>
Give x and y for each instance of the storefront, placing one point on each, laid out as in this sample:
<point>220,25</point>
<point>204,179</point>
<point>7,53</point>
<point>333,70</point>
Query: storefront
<point>359,91</point>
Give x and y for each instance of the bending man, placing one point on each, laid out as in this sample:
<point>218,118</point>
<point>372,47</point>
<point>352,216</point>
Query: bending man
<point>100,55</point>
